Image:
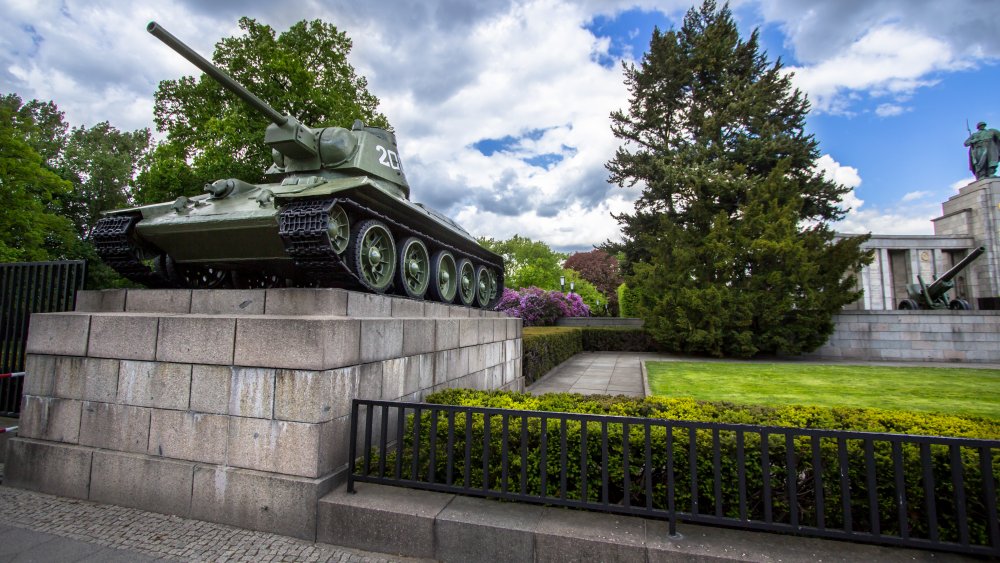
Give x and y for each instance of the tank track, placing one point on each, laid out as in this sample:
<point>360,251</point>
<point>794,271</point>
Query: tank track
<point>113,240</point>
<point>303,225</point>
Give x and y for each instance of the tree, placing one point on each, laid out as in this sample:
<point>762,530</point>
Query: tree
<point>31,226</point>
<point>729,247</point>
<point>601,269</point>
<point>102,163</point>
<point>527,263</point>
<point>302,72</point>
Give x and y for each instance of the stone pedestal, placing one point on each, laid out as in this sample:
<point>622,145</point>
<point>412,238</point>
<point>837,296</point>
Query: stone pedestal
<point>233,406</point>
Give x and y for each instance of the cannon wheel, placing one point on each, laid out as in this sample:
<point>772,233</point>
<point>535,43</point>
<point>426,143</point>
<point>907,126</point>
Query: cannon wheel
<point>372,255</point>
<point>908,305</point>
<point>959,305</point>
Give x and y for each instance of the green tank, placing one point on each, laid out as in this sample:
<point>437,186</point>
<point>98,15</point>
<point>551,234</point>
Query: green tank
<point>337,214</point>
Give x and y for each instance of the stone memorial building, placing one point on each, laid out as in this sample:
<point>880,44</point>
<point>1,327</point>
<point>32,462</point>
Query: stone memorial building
<point>968,220</point>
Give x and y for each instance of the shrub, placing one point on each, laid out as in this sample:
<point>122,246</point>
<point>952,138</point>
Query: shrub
<point>601,339</point>
<point>628,302</point>
<point>549,452</point>
<point>537,307</point>
<point>547,348</point>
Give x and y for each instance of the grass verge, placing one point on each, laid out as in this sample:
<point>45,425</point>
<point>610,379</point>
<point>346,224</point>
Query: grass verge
<point>957,391</point>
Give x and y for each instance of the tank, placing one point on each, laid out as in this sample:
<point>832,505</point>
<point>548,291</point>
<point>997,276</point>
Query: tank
<point>336,213</point>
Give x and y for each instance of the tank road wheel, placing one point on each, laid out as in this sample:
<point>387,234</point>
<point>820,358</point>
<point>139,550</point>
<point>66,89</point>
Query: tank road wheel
<point>414,268</point>
<point>339,229</point>
<point>444,274</point>
<point>372,255</point>
<point>484,287</point>
<point>257,280</point>
<point>908,305</point>
<point>466,282</point>
<point>195,276</point>
<point>959,305</point>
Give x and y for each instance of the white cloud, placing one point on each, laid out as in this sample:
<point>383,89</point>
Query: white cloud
<point>959,184</point>
<point>912,196</point>
<point>890,110</point>
<point>885,61</point>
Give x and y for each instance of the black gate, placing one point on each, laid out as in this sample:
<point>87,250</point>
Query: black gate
<point>26,288</point>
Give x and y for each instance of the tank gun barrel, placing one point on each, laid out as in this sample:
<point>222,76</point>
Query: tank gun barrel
<point>216,73</point>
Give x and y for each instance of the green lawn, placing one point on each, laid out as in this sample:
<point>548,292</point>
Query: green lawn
<point>961,391</point>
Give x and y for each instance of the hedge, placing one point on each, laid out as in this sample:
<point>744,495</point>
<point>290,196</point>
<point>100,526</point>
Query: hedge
<point>453,431</point>
<point>547,347</point>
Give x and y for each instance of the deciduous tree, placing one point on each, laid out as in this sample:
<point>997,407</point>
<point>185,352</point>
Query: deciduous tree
<point>302,72</point>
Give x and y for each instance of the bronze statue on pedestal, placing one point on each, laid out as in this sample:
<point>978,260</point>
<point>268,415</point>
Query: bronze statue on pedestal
<point>984,151</point>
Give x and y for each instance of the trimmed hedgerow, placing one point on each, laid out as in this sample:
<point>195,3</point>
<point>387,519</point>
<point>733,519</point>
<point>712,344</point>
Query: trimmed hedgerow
<point>452,430</point>
<point>613,339</point>
<point>544,349</point>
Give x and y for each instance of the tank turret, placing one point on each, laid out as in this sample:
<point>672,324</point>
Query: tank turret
<point>337,214</point>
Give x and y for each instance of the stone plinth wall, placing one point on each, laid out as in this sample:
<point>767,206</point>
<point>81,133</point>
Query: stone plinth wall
<point>233,406</point>
<point>956,336</point>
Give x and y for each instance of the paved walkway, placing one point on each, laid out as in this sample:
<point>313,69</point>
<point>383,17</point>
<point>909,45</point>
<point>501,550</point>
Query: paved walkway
<point>39,527</point>
<point>596,373</point>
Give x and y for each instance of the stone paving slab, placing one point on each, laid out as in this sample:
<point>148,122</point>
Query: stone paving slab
<point>40,527</point>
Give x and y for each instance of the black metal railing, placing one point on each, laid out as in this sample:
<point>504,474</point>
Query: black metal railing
<point>26,288</point>
<point>894,489</point>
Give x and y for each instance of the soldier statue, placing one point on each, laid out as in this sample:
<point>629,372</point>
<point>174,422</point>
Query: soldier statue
<point>984,151</point>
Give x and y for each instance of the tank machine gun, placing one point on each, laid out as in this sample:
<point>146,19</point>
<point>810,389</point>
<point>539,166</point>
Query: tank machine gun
<point>336,215</point>
<point>935,295</point>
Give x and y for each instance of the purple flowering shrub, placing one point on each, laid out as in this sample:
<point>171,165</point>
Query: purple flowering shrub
<point>537,307</point>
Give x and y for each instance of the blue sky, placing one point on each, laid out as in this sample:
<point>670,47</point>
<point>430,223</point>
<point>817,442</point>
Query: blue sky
<point>501,108</point>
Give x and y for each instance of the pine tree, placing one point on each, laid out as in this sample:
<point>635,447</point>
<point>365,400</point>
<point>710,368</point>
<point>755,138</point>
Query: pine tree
<point>729,248</point>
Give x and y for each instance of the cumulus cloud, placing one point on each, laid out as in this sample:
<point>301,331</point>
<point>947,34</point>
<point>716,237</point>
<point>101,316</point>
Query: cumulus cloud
<point>885,61</point>
<point>850,50</point>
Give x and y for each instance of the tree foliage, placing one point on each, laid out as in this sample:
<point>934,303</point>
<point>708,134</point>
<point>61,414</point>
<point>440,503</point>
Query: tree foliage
<point>729,247</point>
<point>600,269</point>
<point>527,263</point>
<point>32,227</point>
<point>211,134</point>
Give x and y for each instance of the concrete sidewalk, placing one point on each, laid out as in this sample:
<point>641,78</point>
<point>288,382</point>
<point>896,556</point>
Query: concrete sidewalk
<point>40,527</point>
<point>597,373</point>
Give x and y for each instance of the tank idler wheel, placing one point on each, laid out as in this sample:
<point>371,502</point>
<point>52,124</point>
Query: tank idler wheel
<point>372,255</point>
<point>959,305</point>
<point>444,274</point>
<point>339,229</point>
<point>257,280</point>
<point>414,268</point>
<point>466,282</point>
<point>908,305</point>
<point>484,287</point>
<point>493,297</point>
<point>196,276</point>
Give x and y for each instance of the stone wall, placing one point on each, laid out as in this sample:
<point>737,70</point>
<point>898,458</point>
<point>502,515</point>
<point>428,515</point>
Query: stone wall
<point>233,406</point>
<point>955,336</point>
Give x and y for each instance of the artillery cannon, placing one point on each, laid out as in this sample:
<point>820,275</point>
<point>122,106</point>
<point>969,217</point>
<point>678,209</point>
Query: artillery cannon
<point>935,295</point>
<point>336,214</point>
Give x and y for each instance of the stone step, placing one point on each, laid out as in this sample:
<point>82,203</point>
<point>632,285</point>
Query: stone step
<point>447,527</point>
<point>283,301</point>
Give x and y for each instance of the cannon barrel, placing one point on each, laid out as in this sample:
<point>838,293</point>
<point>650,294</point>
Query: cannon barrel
<point>945,279</point>
<point>216,73</point>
